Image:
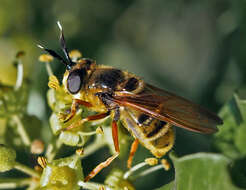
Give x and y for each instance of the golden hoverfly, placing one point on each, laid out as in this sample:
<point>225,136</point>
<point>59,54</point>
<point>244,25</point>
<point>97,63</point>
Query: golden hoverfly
<point>147,112</point>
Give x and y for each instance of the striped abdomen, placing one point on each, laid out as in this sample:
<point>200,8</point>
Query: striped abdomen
<point>155,135</point>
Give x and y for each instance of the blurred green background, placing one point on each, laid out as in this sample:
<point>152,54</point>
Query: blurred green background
<point>193,48</point>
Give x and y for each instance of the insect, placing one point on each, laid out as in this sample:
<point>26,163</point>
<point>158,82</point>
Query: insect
<point>149,113</point>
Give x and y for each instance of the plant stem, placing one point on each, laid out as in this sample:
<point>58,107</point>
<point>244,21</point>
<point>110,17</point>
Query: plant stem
<point>21,130</point>
<point>27,170</point>
<point>52,150</point>
<point>133,169</point>
<point>20,72</point>
<point>13,183</point>
<point>48,68</point>
<point>93,147</point>
<point>148,171</point>
<point>87,133</point>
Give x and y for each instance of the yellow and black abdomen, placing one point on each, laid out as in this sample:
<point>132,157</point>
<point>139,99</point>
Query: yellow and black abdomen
<point>157,136</point>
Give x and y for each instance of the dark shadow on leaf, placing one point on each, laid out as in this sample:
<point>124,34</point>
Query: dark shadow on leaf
<point>238,172</point>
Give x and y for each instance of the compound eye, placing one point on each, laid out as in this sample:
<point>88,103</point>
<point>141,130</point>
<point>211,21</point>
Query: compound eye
<point>75,80</point>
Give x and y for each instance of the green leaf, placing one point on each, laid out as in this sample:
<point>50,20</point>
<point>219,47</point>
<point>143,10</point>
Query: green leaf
<point>240,139</point>
<point>203,171</point>
<point>170,186</point>
<point>230,140</point>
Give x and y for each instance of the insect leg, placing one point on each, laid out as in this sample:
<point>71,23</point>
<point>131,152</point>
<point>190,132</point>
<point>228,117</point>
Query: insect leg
<point>83,103</point>
<point>115,130</point>
<point>75,102</point>
<point>132,152</point>
<point>102,165</point>
<point>89,118</point>
<point>106,163</point>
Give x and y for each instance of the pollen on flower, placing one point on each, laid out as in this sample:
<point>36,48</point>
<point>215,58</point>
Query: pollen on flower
<point>151,161</point>
<point>102,188</point>
<point>99,130</point>
<point>75,54</point>
<point>166,164</point>
<point>46,58</point>
<point>42,161</point>
<point>38,168</point>
<point>53,82</point>
<point>80,151</point>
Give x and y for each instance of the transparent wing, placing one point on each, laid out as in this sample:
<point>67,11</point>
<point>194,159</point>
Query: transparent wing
<point>168,107</point>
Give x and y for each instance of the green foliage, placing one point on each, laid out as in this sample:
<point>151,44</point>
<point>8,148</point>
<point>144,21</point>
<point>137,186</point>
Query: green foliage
<point>203,171</point>
<point>230,139</point>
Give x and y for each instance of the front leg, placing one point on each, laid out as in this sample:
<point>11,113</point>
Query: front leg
<point>106,163</point>
<point>75,102</point>
<point>89,118</point>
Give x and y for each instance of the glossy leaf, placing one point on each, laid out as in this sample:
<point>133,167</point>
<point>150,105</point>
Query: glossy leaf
<point>203,171</point>
<point>230,140</point>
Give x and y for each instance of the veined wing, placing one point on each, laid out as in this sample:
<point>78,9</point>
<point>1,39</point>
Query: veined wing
<point>171,108</point>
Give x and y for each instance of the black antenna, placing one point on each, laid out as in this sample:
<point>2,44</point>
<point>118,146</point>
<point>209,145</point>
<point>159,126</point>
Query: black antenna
<point>54,54</point>
<point>64,47</point>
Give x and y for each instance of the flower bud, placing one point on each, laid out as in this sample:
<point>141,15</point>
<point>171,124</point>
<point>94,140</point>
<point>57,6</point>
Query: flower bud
<point>7,158</point>
<point>37,147</point>
<point>115,180</point>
